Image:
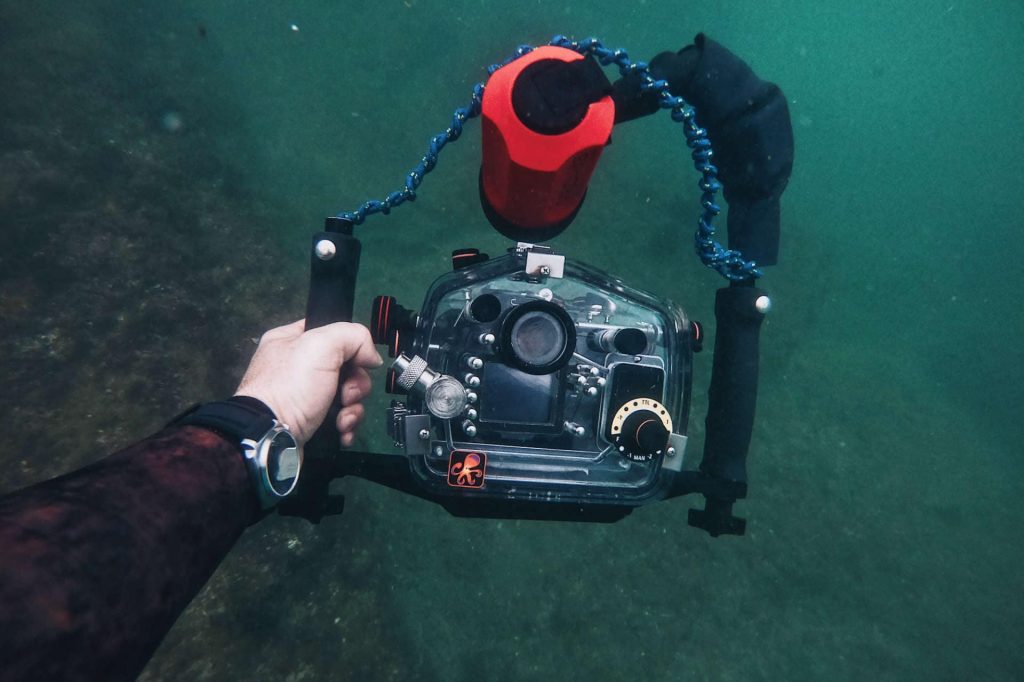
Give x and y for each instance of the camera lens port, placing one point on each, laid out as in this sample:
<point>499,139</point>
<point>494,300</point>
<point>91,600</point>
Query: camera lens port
<point>538,337</point>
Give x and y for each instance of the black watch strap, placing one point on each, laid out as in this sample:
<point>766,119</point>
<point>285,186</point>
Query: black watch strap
<point>238,418</point>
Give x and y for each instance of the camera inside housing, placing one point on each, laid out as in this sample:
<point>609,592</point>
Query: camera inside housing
<point>535,377</point>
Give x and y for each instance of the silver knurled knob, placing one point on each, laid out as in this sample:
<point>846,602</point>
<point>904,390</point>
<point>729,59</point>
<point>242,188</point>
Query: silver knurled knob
<point>412,372</point>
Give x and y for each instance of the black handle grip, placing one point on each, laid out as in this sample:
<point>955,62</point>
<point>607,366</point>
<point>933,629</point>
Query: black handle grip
<point>332,280</point>
<point>334,266</point>
<point>732,399</point>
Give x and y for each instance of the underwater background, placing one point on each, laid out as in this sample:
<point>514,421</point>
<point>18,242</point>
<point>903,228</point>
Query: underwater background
<point>162,166</point>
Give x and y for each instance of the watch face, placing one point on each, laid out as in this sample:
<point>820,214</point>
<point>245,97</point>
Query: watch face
<point>283,462</point>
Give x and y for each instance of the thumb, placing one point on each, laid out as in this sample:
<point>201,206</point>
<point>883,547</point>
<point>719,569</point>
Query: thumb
<point>351,342</point>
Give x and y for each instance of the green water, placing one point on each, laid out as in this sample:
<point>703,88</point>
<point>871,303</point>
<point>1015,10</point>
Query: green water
<point>140,255</point>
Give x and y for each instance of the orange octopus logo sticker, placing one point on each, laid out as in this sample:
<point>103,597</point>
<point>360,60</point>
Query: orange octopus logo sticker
<point>467,469</point>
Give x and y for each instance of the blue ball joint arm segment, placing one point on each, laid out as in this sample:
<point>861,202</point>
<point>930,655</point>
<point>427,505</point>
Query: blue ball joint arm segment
<point>748,120</point>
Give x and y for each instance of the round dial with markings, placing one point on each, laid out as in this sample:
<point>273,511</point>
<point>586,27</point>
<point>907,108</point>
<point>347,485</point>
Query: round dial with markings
<point>640,429</point>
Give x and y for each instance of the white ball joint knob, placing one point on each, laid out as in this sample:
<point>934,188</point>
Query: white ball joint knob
<point>763,304</point>
<point>325,249</point>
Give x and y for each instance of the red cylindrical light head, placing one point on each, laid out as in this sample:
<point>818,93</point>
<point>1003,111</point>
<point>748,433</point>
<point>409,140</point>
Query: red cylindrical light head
<point>535,172</point>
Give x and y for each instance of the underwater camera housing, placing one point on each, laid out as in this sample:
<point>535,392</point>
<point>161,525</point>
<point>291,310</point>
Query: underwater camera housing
<point>532,377</point>
<point>534,386</point>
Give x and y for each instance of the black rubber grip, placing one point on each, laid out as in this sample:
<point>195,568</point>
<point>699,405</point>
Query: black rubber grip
<point>332,282</point>
<point>332,291</point>
<point>732,397</point>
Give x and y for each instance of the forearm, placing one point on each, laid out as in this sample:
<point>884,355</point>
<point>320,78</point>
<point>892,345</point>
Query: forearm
<point>97,565</point>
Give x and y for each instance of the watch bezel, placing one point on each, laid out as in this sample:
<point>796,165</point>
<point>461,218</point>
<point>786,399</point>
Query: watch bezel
<point>257,453</point>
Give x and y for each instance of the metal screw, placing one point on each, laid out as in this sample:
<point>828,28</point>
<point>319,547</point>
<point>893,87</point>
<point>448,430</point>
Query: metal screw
<point>472,380</point>
<point>671,452</point>
<point>325,249</point>
<point>471,413</point>
<point>487,339</point>
<point>439,451</point>
<point>424,434</point>
<point>545,270</point>
<point>474,363</point>
<point>470,397</point>
<point>469,428</point>
<point>575,429</point>
<point>592,391</point>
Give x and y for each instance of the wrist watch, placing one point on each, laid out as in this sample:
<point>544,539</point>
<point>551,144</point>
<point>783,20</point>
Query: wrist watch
<point>272,456</point>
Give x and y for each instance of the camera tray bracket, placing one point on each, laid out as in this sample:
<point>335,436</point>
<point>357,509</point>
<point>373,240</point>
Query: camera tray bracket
<point>545,264</point>
<point>676,452</point>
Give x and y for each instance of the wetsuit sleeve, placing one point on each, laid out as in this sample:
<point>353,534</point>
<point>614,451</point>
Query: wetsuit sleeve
<point>95,566</point>
<point>748,122</point>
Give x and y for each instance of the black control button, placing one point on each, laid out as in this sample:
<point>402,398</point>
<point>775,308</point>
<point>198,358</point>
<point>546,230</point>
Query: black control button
<point>462,258</point>
<point>630,341</point>
<point>696,336</point>
<point>388,317</point>
<point>399,342</point>
<point>627,340</point>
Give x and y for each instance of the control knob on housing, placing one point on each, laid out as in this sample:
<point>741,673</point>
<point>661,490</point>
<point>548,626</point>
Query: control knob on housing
<point>443,395</point>
<point>391,325</point>
<point>640,429</point>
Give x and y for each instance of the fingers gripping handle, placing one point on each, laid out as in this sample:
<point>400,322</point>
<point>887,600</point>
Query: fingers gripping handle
<point>334,265</point>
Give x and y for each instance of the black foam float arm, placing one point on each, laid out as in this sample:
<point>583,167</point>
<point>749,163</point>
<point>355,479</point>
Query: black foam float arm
<point>732,400</point>
<point>748,122</point>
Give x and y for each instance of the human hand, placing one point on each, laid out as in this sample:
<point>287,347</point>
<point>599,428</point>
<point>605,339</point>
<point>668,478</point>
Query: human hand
<point>296,373</point>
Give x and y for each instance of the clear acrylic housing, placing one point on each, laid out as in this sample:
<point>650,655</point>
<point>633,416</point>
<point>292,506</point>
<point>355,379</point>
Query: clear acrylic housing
<point>545,434</point>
